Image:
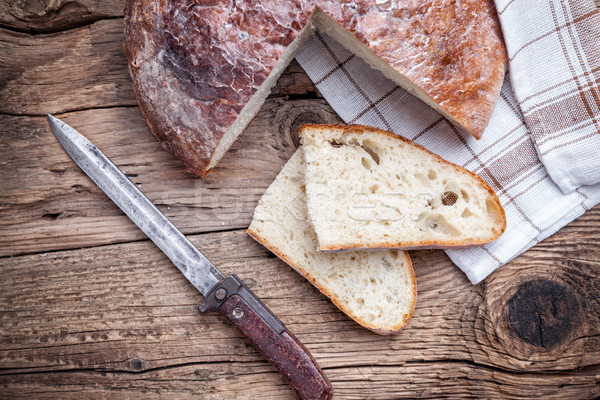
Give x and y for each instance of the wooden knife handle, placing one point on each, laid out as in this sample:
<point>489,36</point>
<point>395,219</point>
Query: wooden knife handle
<point>244,309</point>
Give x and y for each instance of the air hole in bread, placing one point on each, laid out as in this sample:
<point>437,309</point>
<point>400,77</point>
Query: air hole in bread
<point>369,148</point>
<point>437,223</point>
<point>366,162</point>
<point>386,264</point>
<point>421,177</point>
<point>466,213</point>
<point>366,145</point>
<point>374,188</point>
<point>464,195</point>
<point>432,175</point>
<point>449,198</point>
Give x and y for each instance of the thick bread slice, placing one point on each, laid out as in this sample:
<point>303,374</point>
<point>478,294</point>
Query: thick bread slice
<point>376,289</point>
<point>369,188</point>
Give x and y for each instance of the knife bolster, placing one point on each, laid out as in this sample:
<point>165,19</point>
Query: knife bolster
<point>233,285</point>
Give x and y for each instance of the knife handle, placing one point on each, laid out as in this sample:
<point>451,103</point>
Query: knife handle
<point>235,300</point>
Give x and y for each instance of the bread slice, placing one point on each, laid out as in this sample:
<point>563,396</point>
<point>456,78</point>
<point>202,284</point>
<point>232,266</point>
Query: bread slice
<point>376,289</point>
<point>369,189</point>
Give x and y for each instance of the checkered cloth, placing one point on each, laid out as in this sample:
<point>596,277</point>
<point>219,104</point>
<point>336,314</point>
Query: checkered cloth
<point>507,156</point>
<point>554,54</point>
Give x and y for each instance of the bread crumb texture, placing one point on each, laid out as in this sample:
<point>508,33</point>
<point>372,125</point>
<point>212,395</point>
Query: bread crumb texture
<point>368,188</point>
<point>376,289</point>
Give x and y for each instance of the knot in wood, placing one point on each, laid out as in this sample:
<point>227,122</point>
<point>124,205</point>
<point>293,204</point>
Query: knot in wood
<point>544,312</point>
<point>136,364</point>
<point>306,117</point>
<point>291,117</point>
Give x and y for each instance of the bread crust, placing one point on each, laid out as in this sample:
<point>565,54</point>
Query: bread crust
<point>195,66</point>
<point>438,244</point>
<point>380,330</point>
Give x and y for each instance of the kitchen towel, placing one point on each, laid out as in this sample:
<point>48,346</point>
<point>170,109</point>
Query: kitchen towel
<point>506,157</point>
<point>554,54</point>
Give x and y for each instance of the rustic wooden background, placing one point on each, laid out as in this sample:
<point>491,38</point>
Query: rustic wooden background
<point>89,308</point>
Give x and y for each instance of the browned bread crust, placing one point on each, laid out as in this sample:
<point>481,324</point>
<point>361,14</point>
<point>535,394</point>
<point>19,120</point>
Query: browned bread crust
<point>195,65</point>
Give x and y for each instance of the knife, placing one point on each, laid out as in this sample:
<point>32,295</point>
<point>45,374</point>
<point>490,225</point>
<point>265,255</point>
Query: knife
<point>228,295</point>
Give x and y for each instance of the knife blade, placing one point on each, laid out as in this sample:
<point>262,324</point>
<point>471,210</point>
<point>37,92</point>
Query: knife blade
<point>228,295</point>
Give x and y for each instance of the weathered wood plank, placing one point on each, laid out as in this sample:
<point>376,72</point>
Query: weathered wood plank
<point>453,379</point>
<point>40,16</point>
<point>122,310</point>
<point>251,380</point>
<point>83,68</point>
<point>72,70</point>
<point>118,321</point>
<point>47,203</point>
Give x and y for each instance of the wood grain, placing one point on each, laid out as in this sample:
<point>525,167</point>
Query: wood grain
<point>117,316</point>
<point>64,71</point>
<point>114,319</point>
<point>63,209</point>
<point>35,16</point>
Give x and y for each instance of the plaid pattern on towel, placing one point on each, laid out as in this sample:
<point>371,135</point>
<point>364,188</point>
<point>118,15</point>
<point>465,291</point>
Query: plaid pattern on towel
<point>505,157</point>
<point>554,54</point>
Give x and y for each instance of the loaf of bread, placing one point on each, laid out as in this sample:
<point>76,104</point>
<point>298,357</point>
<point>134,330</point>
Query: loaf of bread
<point>376,289</point>
<point>368,189</point>
<point>201,70</point>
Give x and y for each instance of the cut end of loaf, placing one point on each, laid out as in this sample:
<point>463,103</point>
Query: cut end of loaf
<point>376,289</point>
<point>369,189</point>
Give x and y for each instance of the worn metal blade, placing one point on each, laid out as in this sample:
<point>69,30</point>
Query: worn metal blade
<point>192,264</point>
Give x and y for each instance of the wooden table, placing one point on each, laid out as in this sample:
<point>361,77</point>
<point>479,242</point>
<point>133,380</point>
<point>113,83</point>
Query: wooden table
<point>89,308</point>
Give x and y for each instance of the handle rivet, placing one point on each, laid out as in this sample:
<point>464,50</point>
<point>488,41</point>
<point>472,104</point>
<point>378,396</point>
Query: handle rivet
<point>238,313</point>
<point>220,293</point>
